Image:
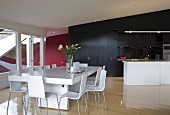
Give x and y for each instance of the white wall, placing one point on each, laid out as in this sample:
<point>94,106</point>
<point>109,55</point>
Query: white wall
<point>4,80</point>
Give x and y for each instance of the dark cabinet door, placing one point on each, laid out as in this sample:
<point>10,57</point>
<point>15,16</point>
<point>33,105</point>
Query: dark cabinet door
<point>111,54</point>
<point>84,51</point>
<point>93,49</point>
<point>102,49</point>
<point>74,39</point>
<point>97,49</point>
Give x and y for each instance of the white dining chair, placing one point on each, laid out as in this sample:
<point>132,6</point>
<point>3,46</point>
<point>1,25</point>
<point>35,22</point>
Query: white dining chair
<point>16,86</point>
<point>46,67</point>
<point>104,67</point>
<point>92,81</point>
<point>54,66</point>
<point>29,70</point>
<point>38,70</point>
<point>100,87</point>
<point>36,89</point>
<point>74,87</point>
<point>76,95</point>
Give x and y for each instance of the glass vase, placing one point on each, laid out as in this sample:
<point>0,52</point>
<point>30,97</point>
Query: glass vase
<point>69,62</point>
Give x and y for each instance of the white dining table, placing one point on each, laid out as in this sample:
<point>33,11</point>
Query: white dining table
<point>57,81</point>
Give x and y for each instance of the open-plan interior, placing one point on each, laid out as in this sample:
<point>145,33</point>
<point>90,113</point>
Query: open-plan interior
<point>84,57</point>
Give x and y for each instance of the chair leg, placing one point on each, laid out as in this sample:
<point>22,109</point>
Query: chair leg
<point>8,102</point>
<point>95,97</point>
<point>24,103</point>
<point>82,101</point>
<point>78,107</point>
<point>98,97</point>
<point>47,105</point>
<point>104,99</point>
<point>22,99</point>
<point>86,103</point>
<point>40,105</point>
<point>28,103</point>
<point>87,95</point>
<point>59,106</point>
<point>36,103</point>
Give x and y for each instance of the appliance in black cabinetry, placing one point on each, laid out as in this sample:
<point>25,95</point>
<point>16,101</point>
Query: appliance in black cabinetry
<point>166,52</point>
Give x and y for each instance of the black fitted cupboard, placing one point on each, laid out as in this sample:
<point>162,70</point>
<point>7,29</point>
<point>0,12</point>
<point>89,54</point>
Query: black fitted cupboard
<point>103,42</point>
<point>97,49</point>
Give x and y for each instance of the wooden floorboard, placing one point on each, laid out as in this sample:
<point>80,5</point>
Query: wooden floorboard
<point>120,99</point>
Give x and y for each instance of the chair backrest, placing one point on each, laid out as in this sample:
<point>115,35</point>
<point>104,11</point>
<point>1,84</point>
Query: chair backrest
<point>38,69</point>
<point>102,79</point>
<point>47,67</point>
<point>83,85</point>
<point>29,70</point>
<point>36,87</point>
<point>98,76</point>
<point>104,67</point>
<point>54,66</point>
<point>83,65</point>
<point>14,85</point>
<point>14,72</point>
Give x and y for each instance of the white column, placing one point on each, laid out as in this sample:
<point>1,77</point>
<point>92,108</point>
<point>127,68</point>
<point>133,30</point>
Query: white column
<point>18,51</point>
<point>28,52</point>
<point>32,52</point>
<point>42,52</point>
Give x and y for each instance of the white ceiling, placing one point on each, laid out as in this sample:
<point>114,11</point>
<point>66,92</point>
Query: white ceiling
<point>55,14</point>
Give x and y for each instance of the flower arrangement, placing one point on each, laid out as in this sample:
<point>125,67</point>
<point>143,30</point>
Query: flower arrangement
<point>69,51</point>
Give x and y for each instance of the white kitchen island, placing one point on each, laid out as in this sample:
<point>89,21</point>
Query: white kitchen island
<point>146,72</point>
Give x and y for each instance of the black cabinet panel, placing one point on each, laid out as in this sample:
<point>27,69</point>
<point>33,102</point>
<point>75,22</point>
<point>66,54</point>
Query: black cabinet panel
<point>166,38</point>
<point>97,49</point>
<point>84,43</point>
<point>111,53</point>
<point>76,56</point>
<point>93,49</point>
<point>102,49</point>
<point>138,40</point>
<point>101,45</point>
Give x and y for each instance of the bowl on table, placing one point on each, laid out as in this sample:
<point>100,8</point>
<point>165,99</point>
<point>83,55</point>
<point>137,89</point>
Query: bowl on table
<point>123,57</point>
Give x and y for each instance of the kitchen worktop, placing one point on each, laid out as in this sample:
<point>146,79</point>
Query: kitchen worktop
<point>143,60</point>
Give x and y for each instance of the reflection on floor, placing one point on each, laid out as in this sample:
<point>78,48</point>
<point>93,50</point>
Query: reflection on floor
<point>121,100</point>
<point>152,97</point>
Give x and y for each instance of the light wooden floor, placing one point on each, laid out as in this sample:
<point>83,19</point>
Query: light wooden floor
<point>121,100</point>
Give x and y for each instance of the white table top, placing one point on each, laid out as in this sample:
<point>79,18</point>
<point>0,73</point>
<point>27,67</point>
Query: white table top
<point>58,75</point>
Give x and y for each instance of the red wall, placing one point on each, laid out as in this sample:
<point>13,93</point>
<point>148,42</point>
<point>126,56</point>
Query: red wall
<point>53,55</point>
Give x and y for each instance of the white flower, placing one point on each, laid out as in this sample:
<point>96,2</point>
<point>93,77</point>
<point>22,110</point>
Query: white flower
<point>60,47</point>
